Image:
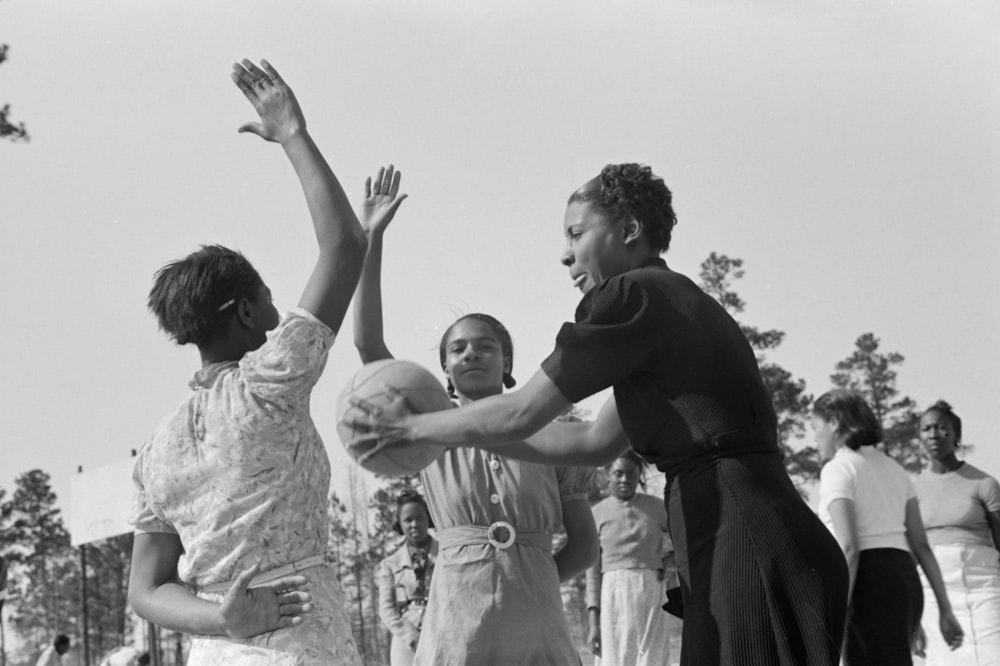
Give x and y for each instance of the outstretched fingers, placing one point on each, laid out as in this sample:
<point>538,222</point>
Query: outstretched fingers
<point>394,185</point>
<point>272,73</point>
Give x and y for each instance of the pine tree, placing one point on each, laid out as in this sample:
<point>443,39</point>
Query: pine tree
<point>9,129</point>
<point>788,394</point>
<point>43,566</point>
<point>873,374</point>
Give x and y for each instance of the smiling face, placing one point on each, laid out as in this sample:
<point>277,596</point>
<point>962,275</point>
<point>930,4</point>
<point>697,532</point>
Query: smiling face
<point>596,246</point>
<point>937,434</point>
<point>623,478</point>
<point>474,360</point>
<point>827,439</point>
<point>414,521</point>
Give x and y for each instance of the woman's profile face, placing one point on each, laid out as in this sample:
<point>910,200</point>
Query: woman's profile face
<point>595,246</point>
<point>623,478</point>
<point>827,440</point>
<point>937,435</point>
<point>414,521</point>
<point>474,359</point>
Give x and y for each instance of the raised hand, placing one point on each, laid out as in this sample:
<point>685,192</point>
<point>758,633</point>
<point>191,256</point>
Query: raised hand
<point>272,99</point>
<point>382,200</point>
<point>275,605</point>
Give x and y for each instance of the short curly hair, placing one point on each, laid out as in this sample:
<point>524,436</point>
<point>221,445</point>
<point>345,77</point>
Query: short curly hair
<point>944,408</point>
<point>855,419</point>
<point>191,296</point>
<point>629,191</point>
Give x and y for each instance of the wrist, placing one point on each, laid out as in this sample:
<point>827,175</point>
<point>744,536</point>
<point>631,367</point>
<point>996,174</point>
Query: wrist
<point>293,135</point>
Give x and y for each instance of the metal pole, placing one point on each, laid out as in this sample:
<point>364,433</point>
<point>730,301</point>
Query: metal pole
<point>83,604</point>
<point>153,643</point>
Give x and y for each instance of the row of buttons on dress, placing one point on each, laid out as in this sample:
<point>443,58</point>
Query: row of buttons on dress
<point>495,466</point>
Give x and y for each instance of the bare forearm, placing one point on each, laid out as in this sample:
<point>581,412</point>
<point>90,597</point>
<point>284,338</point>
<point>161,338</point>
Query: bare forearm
<point>925,557</point>
<point>333,217</point>
<point>369,337</point>
<point>172,606</point>
<point>485,423</point>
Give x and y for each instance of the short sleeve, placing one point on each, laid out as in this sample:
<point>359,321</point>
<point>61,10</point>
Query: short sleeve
<point>288,365</point>
<point>575,483</point>
<point>142,516</point>
<point>614,333</point>
<point>989,494</point>
<point>835,482</point>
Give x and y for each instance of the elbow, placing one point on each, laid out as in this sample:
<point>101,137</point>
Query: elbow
<point>138,602</point>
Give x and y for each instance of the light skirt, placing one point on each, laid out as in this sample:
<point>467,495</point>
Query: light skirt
<point>323,639</point>
<point>972,578</point>
<point>400,652</point>
<point>635,630</point>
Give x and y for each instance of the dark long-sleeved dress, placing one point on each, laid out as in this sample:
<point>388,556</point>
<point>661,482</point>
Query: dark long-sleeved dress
<point>762,580</point>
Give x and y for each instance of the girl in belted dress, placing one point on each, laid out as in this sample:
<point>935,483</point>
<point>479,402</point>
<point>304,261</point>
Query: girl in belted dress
<point>762,581</point>
<point>495,596</point>
<point>404,577</point>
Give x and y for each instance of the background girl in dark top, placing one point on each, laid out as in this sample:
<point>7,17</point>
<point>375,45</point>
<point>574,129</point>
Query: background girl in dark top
<point>763,582</point>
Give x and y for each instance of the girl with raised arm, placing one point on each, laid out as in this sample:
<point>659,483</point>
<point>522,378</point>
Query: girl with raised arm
<point>495,596</point>
<point>762,581</point>
<point>231,490</point>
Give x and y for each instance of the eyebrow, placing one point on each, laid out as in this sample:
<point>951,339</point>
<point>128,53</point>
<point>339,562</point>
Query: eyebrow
<point>479,339</point>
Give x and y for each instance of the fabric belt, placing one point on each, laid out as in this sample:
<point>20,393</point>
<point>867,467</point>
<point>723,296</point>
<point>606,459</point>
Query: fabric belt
<point>501,535</point>
<point>269,575</point>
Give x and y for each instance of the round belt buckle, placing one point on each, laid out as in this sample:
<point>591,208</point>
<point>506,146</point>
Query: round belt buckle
<point>501,534</point>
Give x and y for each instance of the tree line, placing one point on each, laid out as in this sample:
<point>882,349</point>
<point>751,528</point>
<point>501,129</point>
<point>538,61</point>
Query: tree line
<point>44,586</point>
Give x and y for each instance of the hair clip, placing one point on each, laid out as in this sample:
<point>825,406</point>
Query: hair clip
<point>225,305</point>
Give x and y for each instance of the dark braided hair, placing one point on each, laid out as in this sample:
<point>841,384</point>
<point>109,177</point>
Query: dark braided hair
<point>193,298</point>
<point>630,191</point>
<point>943,408</point>
<point>503,335</point>
<point>409,496</point>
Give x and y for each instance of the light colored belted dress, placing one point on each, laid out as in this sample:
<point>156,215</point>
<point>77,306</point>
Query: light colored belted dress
<point>495,596</point>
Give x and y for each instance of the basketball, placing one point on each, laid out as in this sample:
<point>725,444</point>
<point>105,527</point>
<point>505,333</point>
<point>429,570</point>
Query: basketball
<point>423,393</point>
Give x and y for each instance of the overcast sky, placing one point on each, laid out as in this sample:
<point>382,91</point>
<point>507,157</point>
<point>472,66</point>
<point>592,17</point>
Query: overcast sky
<point>849,152</point>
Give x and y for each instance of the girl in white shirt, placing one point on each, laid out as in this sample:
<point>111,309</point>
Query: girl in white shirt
<point>868,502</point>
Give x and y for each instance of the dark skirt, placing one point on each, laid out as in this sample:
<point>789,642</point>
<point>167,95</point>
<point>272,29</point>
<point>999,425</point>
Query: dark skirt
<point>885,609</point>
<point>762,580</point>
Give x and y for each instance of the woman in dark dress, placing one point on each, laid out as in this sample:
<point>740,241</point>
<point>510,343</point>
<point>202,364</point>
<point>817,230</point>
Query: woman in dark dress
<point>762,580</point>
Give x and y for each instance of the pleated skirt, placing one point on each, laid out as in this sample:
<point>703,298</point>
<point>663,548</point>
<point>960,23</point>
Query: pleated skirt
<point>762,580</point>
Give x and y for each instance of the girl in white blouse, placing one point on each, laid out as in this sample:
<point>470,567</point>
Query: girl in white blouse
<point>868,502</point>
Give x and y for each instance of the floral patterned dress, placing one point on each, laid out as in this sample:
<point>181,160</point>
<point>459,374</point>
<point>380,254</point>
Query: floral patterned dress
<point>240,474</point>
